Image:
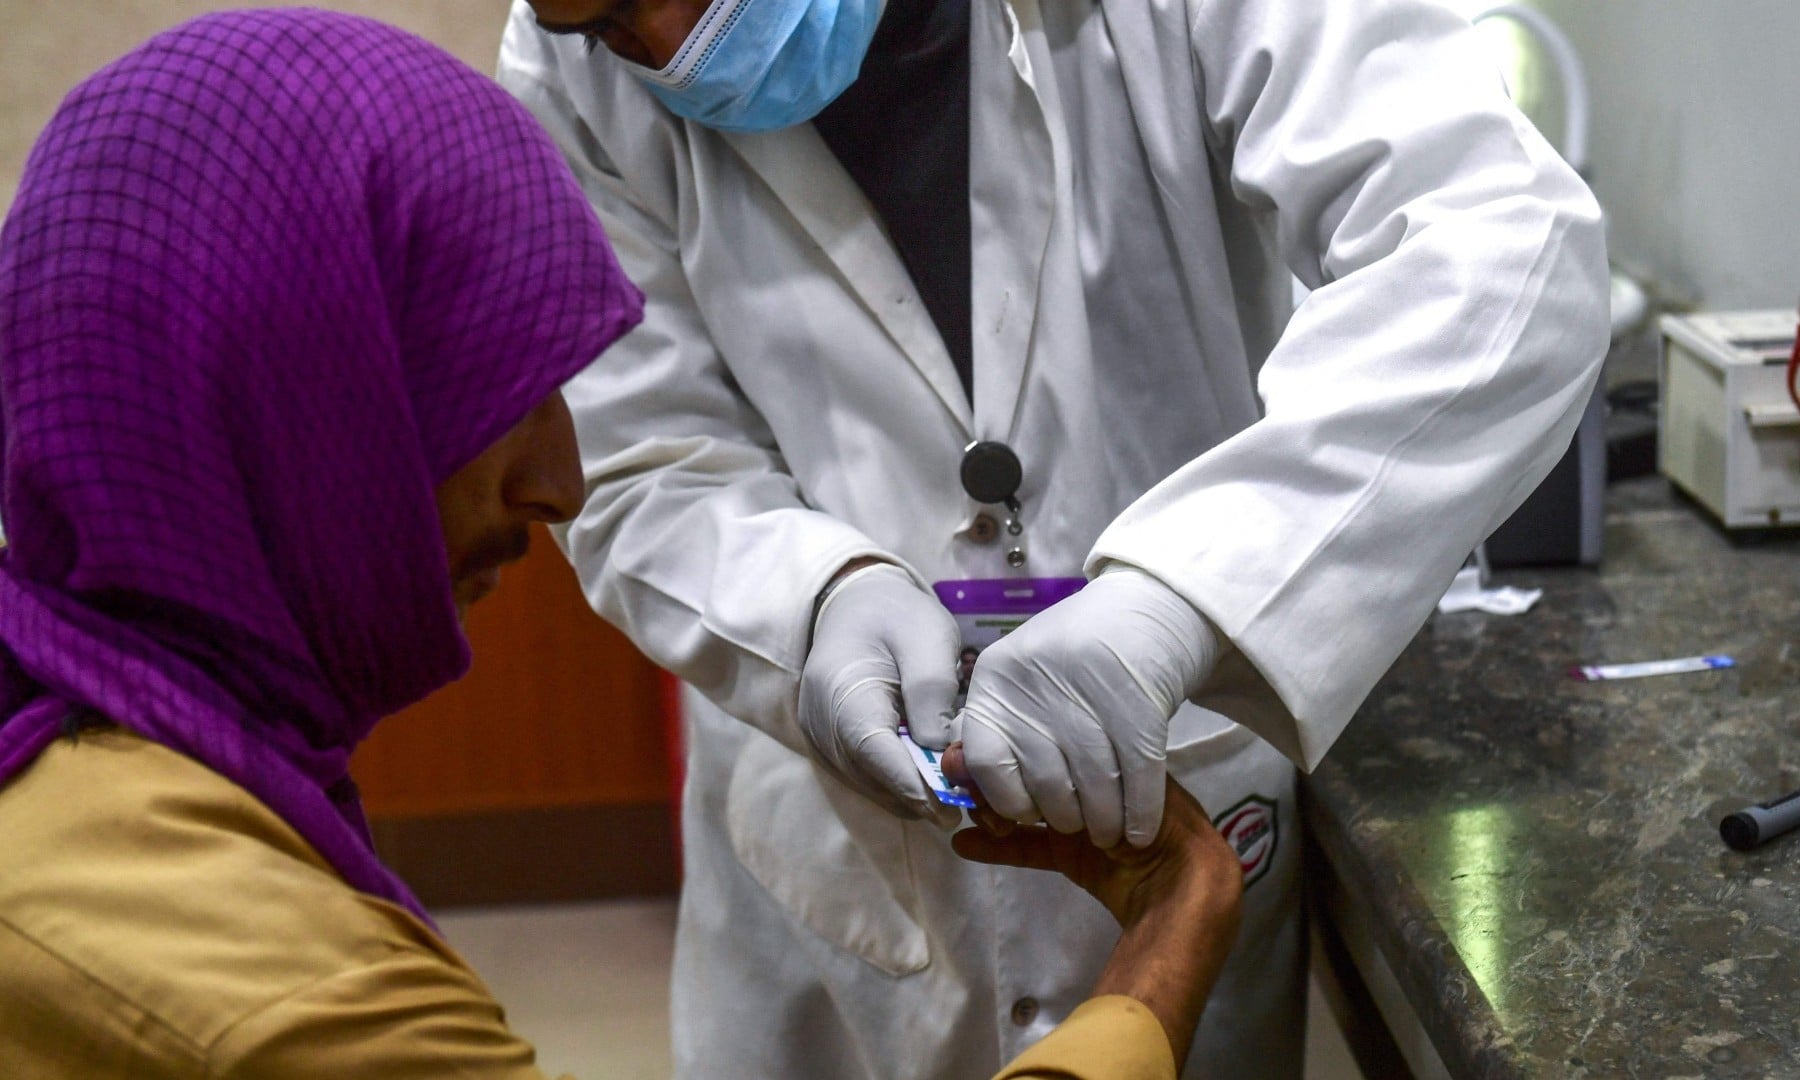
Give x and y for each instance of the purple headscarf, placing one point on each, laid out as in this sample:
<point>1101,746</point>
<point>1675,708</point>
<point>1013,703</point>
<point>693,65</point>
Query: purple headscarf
<point>268,280</point>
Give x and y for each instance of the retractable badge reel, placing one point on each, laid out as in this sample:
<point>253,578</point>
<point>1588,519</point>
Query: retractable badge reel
<point>987,609</point>
<point>991,473</point>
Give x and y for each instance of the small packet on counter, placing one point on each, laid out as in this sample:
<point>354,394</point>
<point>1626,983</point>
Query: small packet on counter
<point>1682,666</point>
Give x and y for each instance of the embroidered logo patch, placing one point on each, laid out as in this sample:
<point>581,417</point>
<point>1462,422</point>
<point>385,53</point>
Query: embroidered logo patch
<point>1250,829</point>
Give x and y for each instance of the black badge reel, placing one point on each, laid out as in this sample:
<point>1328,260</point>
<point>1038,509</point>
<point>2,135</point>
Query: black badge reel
<point>991,473</point>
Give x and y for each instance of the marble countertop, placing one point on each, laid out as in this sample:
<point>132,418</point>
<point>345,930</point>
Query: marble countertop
<point>1541,855</point>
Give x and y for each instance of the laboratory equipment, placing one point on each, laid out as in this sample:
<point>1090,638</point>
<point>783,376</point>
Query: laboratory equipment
<point>1730,434</point>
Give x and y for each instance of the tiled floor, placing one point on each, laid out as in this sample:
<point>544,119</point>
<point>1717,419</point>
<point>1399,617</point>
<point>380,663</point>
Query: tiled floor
<point>589,984</point>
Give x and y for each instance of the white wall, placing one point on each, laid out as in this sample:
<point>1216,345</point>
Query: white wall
<point>1696,142</point>
<point>47,46</point>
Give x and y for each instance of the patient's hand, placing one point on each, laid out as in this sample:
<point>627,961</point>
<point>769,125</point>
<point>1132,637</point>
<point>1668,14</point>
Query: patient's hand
<point>1177,899</point>
<point>1188,857</point>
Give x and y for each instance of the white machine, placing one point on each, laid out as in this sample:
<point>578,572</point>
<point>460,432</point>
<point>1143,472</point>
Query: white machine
<point>1730,434</point>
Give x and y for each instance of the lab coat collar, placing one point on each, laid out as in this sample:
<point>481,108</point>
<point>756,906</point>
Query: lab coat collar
<point>808,180</point>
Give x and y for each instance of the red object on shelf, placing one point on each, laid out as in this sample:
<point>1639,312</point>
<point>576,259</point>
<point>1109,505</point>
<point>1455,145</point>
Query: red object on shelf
<point>1794,371</point>
<point>676,740</point>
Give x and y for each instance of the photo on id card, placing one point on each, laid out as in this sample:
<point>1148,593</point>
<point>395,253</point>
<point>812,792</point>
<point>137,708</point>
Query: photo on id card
<point>988,609</point>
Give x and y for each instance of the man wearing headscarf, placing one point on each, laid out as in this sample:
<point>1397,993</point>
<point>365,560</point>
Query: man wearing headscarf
<point>285,302</point>
<point>286,299</point>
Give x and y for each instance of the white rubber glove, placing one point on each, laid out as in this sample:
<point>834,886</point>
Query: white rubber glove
<point>883,654</point>
<point>1067,719</point>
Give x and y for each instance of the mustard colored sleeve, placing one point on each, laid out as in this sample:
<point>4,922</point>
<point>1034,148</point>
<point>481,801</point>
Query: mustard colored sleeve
<point>1107,1038</point>
<point>408,1016</point>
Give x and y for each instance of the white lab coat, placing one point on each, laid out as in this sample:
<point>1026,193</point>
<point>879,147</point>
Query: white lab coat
<point>1144,176</point>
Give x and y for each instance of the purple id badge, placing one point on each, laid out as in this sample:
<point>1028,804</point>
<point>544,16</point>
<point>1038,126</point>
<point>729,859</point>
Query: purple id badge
<point>988,609</point>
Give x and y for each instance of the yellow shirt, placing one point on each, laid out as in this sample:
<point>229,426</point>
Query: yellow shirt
<point>157,921</point>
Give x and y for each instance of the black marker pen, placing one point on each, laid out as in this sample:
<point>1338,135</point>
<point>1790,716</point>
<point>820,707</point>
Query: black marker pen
<point>1765,821</point>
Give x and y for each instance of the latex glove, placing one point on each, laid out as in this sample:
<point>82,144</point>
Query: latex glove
<point>1067,719</point>
<point>883,654</point>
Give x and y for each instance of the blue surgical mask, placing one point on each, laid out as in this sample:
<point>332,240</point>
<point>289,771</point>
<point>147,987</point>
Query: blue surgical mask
<point>759,65</point>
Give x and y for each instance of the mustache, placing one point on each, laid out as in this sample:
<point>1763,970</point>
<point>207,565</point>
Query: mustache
<point>495,550</point>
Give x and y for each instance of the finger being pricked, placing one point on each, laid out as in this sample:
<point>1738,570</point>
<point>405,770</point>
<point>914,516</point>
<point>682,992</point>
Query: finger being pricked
<point>956,770</point>
<point>1001,841</point>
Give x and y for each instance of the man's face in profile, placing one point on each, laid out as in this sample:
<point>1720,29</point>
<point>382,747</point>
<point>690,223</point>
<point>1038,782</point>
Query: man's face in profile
<point>531,473</point>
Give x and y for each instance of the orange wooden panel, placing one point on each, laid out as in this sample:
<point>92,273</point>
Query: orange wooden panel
<point>558,710</point>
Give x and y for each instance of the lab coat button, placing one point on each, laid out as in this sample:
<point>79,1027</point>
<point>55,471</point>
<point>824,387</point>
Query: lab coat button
<point>983,530</point>
<point>1024,1011</point>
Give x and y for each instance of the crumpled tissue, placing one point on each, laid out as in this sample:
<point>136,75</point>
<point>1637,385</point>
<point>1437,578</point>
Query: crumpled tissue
<point>1466,594</point>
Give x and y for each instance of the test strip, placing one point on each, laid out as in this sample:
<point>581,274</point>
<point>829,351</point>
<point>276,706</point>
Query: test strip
<point>1599,672</point>
<point>932,769</point>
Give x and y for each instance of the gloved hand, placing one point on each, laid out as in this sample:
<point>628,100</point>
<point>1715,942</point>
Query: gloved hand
<point>883,654</point>
<point>1067,719</point>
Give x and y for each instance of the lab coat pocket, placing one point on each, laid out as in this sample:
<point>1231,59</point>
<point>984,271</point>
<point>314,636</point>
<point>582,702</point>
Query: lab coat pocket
<point>1247,788</point>
<point>837,863</point>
